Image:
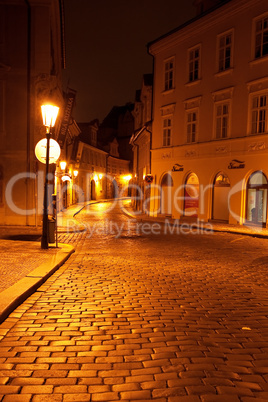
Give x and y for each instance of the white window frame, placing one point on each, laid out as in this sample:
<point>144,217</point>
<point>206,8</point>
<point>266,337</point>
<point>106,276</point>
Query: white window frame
<point>222,48</point>
<point>167,131</point>
<point>220,119</point>
<point>190,124</point>
<point>261,31</point>
<point>258,113</point>
<point>169,74</point>
<point>191,63</point>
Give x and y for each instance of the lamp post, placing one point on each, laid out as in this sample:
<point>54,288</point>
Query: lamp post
<point>49,114</point>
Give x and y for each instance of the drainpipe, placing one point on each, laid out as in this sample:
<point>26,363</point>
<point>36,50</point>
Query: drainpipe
<point>152,108</point>
<point>137,171</point>
<point>28,128</point>
<point>150,160</point>
<point>152,117</point>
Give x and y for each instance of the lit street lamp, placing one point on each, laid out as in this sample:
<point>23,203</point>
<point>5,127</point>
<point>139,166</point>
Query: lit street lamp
<point>49,114</point>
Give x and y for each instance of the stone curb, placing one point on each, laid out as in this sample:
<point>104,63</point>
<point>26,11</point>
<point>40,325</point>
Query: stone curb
<point>12,297</point>
<point>237,231</point>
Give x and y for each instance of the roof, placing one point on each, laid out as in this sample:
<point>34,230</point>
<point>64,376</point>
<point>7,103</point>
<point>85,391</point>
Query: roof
<point>185,24</point>
<point>111,120</point>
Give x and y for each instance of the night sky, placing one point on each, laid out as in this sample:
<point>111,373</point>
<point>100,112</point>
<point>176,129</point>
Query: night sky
<point>106,48</point>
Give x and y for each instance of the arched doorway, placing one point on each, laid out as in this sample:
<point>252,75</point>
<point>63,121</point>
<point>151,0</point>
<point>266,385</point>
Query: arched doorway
<point>256,206</point>
<point>221,187</point>
<point>92,190</point>
<point>114,189</point>
<point>166,194</point>
<point>191,196</point>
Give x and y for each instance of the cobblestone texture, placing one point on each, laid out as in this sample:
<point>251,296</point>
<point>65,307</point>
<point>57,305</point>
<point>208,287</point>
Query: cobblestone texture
<point>138,318</point>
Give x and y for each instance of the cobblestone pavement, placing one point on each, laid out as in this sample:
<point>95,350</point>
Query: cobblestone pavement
<point>24,257</point>
<point>142,313</point>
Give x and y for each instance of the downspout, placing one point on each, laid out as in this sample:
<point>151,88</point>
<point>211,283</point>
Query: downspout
<point>137,165</point>
<point>150,132</point>
<point>152,108</point>
<point>28,127</point>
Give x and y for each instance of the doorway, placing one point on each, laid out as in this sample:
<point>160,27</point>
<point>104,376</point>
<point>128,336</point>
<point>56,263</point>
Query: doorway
<point>221,188</point>
<point>166,195</point>
<point>256,207</point>
<point>93,190</point>
<point>191,196</point>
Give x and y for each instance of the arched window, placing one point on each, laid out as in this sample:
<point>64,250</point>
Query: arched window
<point>167,180</point>
<point>221,180</point>
<point>256,207</point>
<point>221,188</point>
<point>191,195</point>
<point>166,194</point>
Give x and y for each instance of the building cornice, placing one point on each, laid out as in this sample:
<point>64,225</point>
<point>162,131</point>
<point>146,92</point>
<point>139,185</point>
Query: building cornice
<point>197,26</point>
<point>85,145</point>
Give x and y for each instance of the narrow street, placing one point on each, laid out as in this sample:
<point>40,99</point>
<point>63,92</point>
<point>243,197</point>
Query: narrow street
<point>143,312</point>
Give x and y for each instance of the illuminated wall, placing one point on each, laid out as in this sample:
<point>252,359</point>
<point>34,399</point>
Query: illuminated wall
<point>210,113</point>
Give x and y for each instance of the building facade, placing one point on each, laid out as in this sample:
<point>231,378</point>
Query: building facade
<point>91,164</point>
<point>141,143</point>
<point>210,116</point>
<point>32,57</point>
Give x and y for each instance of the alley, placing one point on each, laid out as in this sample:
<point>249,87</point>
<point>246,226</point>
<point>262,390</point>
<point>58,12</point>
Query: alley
<point>143,312</point>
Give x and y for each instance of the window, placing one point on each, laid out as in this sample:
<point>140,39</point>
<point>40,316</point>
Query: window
<point>261,37</point>
<point>191,127</point>
<point>194,64</point>
<point>94,138</point>
<point>169,74</point>
<point>225,43</point>
<point>166,132</point>
<point>222,119</point>
<point>259,114</point>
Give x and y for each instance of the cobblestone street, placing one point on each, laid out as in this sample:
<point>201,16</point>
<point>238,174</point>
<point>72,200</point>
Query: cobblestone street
<point>143,313</point>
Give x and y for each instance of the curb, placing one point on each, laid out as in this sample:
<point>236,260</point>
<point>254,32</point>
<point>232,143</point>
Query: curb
<point>145,218</point>
<point>16,294</point>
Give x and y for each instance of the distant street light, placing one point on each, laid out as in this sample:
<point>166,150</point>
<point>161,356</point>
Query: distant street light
<point>49,114</point>
<point>63,165</point>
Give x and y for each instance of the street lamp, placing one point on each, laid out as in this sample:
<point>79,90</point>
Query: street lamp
<point>49,114</point>
<point>63,165</point>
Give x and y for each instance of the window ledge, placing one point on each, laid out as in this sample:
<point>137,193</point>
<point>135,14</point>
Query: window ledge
<point>221,139</point>
<point>224,72</point>
<point>258,60</point>
<point>191,83</point>
<point>168,91</point>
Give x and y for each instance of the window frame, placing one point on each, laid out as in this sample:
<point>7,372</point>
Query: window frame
<point>191,124</point>
<point>169,82</point>
<point>221,104</point>
<point>224,35</point>
<point>192,61</point>
<point>256,110</point>
<point>167,131</point>
<point>260,18</point>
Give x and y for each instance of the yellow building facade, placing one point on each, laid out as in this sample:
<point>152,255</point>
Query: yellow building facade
<point>210,116</point>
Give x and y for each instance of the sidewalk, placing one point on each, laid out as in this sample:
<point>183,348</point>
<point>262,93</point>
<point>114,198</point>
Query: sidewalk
<point>214,226</point>
<point>24,266</point>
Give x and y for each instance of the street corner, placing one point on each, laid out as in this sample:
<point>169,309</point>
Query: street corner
<point>70,225</point>
<point>14,295</point>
